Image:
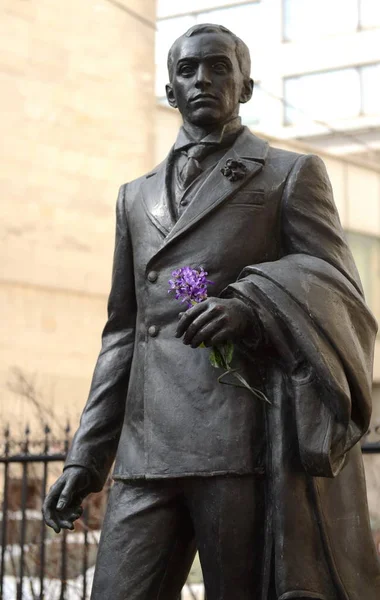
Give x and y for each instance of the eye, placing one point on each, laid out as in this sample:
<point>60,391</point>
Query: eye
<point>220,67</point>
<point>186,70</point>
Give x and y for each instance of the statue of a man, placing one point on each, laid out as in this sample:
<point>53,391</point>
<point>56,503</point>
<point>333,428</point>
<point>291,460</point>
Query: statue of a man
<point>272,496</point>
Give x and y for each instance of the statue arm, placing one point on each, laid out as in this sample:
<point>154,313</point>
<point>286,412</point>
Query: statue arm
<point>310,220</point>
<point>310,226</point>
<point>95,443</point>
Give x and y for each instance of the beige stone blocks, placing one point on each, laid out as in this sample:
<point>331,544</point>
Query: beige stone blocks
<point>77,121</point>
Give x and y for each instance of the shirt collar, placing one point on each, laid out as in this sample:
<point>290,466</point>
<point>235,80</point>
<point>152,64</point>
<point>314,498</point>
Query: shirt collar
<point>217,136</point>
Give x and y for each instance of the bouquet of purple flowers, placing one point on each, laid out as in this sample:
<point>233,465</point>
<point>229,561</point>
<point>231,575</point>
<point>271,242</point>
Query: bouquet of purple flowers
<point>190,287</point>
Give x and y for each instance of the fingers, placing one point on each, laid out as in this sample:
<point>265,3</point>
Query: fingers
<point>58,513</point>
<point>58,520</point>
<point>55,491</point>
<point>67,521</point>
<point>205,321</point>
<point>193,322</point>
<point>51,519</point>
<point>66,495</point>
<point>207,333</point>
<point>188,317</point>
<point>50,503</point>
<point>218,338</point>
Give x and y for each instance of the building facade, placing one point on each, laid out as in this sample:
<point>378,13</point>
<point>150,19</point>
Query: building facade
<point>77,120</point>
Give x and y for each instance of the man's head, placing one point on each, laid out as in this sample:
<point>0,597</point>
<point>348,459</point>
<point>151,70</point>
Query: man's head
<point>209,72</point>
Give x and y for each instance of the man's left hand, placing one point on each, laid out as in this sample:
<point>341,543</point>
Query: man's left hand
<point>214,321</point>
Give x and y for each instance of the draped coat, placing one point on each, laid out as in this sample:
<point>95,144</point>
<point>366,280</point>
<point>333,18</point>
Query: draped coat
<point>273,239</point>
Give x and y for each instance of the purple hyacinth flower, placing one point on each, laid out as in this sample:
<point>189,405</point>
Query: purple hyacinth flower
<point>189,285</point>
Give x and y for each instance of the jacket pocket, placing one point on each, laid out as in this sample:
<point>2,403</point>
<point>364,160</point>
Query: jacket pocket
<point>254,198</point>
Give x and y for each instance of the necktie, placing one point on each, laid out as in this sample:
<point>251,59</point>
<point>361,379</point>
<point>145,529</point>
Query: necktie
<point>192,167</point>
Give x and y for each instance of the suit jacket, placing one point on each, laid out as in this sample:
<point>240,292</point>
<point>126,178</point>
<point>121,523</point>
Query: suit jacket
<point>153,400</point>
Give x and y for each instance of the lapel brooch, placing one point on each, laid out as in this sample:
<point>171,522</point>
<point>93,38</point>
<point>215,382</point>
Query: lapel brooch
<point>234,170</point>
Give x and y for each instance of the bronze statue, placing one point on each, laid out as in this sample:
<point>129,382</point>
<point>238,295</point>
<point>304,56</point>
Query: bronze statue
<point>272,495</point>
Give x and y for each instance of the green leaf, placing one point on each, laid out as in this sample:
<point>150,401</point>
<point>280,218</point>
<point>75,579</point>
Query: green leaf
<point>227,349</point>
<point>216,358</point>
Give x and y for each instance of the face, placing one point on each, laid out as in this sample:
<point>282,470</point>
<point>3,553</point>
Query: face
<point>206,82</point>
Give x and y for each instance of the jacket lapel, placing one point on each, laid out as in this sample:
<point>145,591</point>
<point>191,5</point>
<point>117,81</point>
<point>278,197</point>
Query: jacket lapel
<point>155,195</point>
<point>249,150</point>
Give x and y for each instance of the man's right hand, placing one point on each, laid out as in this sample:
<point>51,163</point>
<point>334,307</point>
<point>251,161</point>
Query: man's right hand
<point>62,505</point>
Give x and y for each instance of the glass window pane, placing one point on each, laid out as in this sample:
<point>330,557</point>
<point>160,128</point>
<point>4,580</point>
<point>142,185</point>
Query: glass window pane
<point>370,13</point>
<point>318,18</point>
<point>366,252</point>
<point>371,89</point>
<point>323,96</point>
<point>165,8</point>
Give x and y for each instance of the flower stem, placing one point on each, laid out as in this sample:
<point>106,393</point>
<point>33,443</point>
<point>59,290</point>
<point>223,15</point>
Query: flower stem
<point>243,383</point>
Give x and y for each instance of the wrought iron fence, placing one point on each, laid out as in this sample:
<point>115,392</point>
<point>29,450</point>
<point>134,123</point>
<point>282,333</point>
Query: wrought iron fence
<point>35,564</point>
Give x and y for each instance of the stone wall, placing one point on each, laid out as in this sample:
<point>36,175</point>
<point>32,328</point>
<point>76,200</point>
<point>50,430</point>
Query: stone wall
<point>77,120</point>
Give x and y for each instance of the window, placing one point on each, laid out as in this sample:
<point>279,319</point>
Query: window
<point>369,13</point>
<point>366,252</point>
<point>371,89</point>
<point>338,94</point>
<point>303,19</point>
<point>322,96</point>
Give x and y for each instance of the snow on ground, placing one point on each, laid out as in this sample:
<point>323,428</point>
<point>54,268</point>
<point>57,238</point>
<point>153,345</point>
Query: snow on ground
<point>31,588</point>
<point>197,592</point>
<point>74,588</point>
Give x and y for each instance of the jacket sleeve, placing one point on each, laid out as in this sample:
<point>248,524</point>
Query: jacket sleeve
<point>95,442</point>
<point>310,220</point>
<point>310,225</point>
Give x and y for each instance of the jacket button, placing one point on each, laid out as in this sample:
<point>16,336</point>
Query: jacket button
<point>152,276</point>
<point>153,331</point>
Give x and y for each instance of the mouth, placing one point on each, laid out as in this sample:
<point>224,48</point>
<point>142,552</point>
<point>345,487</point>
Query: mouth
<point>204,98</point>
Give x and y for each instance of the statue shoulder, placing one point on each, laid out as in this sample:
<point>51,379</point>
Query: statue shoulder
<point>134,185</point>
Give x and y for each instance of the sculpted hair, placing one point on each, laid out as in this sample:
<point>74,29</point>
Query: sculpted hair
<point>241,49</point>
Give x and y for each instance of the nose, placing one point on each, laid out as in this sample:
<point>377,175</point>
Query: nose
<point>203,76</point>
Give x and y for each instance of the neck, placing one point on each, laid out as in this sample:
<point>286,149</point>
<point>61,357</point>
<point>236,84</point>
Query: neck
<point>198,132</point>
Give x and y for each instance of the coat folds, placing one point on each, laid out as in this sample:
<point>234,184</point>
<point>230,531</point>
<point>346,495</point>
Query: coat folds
<point>321,408</point>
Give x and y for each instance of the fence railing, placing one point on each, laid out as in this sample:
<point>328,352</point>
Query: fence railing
<point>35,563</point>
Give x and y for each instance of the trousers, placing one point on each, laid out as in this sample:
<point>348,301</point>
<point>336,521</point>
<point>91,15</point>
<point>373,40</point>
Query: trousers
<point>153,528</point>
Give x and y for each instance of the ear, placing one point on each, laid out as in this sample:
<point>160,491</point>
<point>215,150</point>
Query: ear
<point>247,91</point>
<point>170,95</point>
